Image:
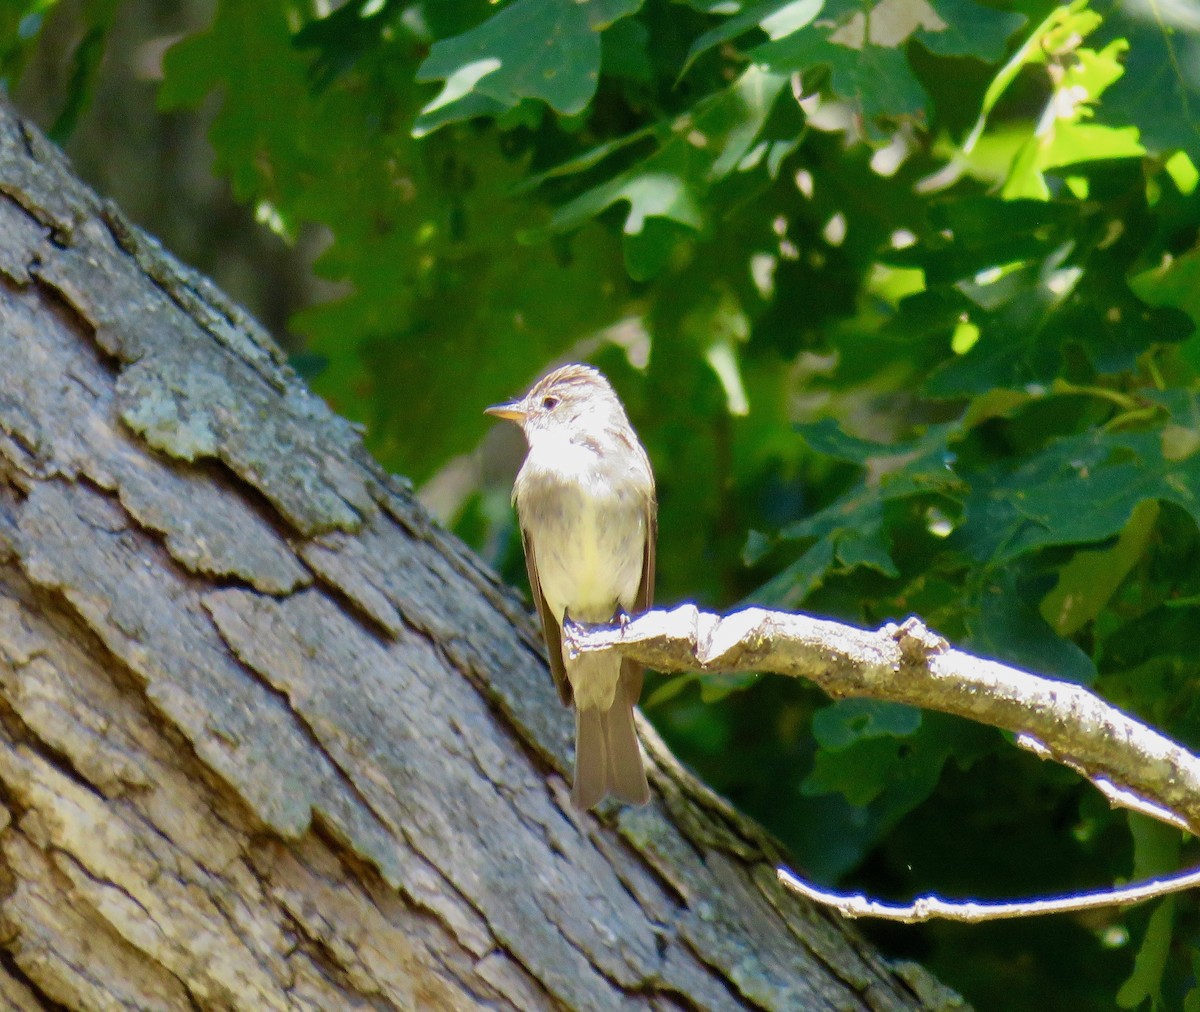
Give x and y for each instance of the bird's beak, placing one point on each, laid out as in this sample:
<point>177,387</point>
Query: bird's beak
<point>513,411</point>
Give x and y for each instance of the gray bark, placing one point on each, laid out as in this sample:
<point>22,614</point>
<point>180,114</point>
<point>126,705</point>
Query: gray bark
<point>269,739</point>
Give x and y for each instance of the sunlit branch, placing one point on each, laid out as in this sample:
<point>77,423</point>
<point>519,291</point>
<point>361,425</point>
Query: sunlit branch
<point>1134,766</point>
<point>928,908</point>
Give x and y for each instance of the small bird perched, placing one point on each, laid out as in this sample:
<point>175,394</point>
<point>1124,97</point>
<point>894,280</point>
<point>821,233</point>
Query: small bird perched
<point>589,520</point>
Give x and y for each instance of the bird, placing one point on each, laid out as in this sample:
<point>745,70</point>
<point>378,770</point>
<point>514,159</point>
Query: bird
<point>586,506</point>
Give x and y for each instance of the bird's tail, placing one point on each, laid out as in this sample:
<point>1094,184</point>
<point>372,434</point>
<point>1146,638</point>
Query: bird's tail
<point>608,759</point>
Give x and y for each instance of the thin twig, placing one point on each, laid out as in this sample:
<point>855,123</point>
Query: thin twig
<point>926,908</point>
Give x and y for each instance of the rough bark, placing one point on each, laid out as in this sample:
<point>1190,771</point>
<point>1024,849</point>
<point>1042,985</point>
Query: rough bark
<point>269,739</point>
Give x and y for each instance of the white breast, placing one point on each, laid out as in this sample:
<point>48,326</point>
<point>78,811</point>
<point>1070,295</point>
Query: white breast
<point>588,527</point>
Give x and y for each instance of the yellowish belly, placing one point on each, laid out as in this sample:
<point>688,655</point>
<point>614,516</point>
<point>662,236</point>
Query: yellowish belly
<point>589,554</point>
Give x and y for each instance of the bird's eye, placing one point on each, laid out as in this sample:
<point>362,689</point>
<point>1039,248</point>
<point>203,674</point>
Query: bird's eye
<point>550,403</point>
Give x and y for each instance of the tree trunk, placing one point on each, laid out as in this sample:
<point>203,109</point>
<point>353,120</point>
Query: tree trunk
<point>269,739</point>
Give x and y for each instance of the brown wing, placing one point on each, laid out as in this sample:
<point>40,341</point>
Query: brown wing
<point>645,594</point>
<point>550,630</point>
<point>632,672</point>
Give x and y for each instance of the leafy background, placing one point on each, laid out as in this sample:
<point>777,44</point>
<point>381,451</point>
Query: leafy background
<point>902,296</point>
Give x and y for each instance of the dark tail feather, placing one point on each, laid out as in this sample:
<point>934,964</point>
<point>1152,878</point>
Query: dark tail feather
<point>607,757</point>
<point>591,759</point>
<point>626,777</point>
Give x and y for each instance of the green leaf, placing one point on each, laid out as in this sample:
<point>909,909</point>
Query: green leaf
<point>1064,138</point>
<point>247,52</point>
<point>85,67</point>
<point>827,437</point>
<point>867,546</point>
<point>1085,142</point>
<point>1156,847</point>
<point>587,159</point>
<point>1160,90</point>
<point>348,34</point>
<point>1164,634</point>
<point>1010,629</point>
<point>1087,583</point>
<point>1037,504</point>
<point>625,51</point>
<point>20,26</point>
<point>876,79</point>
<point>660,187</point>
<point>491,310</point>
<point>862,773</point>
<point>726,135</point>
<point>668,690</point>
<point>999,524</point>
<point>906,468</point>
<point>969,29</point>
<point>1070,19</point>
<point>893,774</point>
<point>547,50</point>
<point>1183,172</point>
<point>1175,283</point>
<point>1035,302</point>
<point>852,532</point>
<point>776,18</point>
<point>863,46</point>
<point>793,584</point>
<point>847,721</point>
<point>714,688</point>
<point>1156,852</point>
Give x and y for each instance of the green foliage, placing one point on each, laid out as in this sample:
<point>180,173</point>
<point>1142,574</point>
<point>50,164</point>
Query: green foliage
<point>493,68</point>
<point>20,23</point>
<point>917,282</point>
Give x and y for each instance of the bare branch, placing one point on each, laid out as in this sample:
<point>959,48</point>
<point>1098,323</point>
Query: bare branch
<point>927,908</point>
<point>1117,796</point>
<point>909,664</point>
<point>1133,765</point>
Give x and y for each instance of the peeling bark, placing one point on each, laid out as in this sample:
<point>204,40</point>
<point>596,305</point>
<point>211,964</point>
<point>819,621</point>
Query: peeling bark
<point>271,740</point>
